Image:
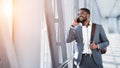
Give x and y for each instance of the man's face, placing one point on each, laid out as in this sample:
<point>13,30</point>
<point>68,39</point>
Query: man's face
<point>83,16</point>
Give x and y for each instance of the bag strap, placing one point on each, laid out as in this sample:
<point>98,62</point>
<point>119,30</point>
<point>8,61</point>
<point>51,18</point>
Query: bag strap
<point>93,32</point>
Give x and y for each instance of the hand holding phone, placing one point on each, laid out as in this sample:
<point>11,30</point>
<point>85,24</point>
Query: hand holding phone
<point>78,20</point>
<point>75,22</point>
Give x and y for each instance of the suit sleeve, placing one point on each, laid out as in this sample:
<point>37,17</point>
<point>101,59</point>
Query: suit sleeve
<point>104,40</point>
<point>71,35</point>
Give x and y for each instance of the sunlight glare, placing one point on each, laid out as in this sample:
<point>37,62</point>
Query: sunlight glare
<point>7,9</point>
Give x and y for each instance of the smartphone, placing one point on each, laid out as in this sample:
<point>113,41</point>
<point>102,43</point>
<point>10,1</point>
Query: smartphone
<point>78,20</point>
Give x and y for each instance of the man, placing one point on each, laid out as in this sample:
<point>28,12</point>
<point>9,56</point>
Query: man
<point>89,55</point>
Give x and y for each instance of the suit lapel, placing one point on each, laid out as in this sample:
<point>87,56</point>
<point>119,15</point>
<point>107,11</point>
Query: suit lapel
<point>80,34</point>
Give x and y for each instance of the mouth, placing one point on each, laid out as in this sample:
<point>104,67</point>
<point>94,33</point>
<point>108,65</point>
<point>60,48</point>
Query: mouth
<point>81,18</point>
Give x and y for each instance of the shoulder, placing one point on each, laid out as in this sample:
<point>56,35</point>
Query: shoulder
<point>78,27</point>
<point>98,25</point>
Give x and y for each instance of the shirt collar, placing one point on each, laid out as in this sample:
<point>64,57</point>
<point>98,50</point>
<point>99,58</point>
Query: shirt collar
<point>90,24</point>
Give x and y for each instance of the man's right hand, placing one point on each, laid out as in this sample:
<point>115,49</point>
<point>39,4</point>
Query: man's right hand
<point>75,23</point>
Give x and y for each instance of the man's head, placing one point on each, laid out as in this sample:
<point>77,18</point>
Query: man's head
<point>84,14</point>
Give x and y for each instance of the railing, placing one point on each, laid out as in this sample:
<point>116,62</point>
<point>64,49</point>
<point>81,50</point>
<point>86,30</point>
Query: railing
<point>65,63</point>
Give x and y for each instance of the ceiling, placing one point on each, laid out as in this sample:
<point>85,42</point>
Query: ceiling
<point>109,8</point>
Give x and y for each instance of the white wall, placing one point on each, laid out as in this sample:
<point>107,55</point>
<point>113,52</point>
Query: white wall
<point>105,24</point>
<point>27,14</point>
<point>112,24</point>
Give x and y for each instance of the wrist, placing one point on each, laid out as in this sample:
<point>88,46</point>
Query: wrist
<point>72,25</point>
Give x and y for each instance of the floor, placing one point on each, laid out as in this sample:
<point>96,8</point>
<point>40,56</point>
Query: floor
<point>112,58</point>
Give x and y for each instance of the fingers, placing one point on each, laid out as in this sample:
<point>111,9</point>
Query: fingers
<point>93,46</point>
<point>93,42</point>
<point>75,19</point>
<point>75,23</point>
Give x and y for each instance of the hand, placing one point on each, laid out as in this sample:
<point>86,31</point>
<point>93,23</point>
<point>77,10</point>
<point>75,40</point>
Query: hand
<point>93,46</point>
<point>75,23</point>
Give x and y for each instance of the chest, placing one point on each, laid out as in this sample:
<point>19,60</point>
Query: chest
<point>82,33</point>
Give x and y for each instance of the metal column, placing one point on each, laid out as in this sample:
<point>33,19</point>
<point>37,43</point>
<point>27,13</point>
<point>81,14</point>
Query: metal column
<point>62,31</point>
<point>51,32</point>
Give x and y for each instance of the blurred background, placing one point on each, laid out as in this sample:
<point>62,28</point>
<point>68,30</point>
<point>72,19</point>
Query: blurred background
<point>33,32</point>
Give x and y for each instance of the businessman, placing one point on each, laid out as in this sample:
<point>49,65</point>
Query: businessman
<point>89,55</point>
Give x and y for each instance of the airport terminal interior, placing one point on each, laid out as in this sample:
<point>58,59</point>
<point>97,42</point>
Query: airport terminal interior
<point>33,32</point>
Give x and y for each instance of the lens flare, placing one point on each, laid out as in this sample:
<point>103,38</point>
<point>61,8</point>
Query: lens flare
<point>7,9</point>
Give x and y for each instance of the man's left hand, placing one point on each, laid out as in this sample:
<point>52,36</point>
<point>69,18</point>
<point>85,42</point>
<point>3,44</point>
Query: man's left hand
<point>93,46</point>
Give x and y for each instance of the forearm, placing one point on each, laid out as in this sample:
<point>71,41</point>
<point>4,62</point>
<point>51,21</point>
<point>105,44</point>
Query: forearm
<point>70,36</point>
<point>103,44</point>
<point>104,40</point>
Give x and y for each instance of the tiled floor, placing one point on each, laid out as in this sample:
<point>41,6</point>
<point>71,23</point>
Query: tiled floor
<point>112,58</point>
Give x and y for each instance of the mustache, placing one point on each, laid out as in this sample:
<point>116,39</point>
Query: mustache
<point>80,16</point>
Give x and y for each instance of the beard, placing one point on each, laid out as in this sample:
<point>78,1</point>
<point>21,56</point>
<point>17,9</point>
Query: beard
<point>82,19</point>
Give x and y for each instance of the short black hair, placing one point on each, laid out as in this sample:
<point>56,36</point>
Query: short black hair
<point>86,10</point>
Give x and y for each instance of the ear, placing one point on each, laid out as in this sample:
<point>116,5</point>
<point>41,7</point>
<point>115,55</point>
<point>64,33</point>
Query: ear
<point>88,15</point>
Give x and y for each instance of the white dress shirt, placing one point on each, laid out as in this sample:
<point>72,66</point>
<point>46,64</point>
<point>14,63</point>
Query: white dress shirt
<point>86,31</point>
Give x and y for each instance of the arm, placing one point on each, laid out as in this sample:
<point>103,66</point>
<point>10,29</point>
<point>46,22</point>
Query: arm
<point>104,41</point>
<point>71,35</point>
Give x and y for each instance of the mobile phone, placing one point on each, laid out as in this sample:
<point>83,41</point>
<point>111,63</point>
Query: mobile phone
<point>78,20</point>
